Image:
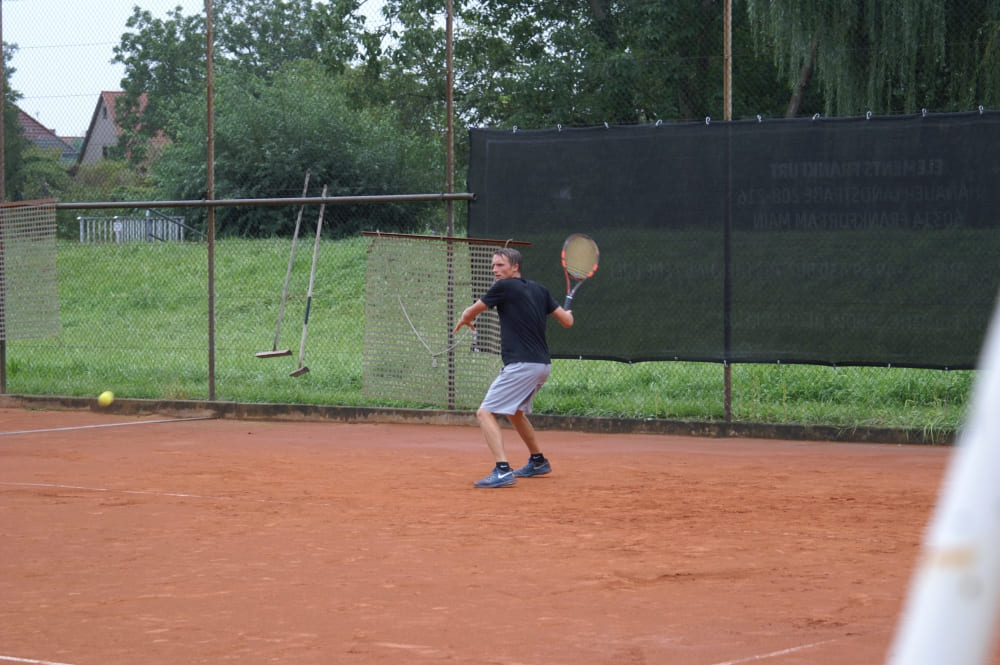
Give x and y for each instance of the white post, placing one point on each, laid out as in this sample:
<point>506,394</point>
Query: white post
<point>951,610</point>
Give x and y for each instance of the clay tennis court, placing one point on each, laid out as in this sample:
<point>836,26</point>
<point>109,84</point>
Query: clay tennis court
<point>126,540</point>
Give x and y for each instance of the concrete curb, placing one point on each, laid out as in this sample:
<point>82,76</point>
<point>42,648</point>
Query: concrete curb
<point>356,414</point>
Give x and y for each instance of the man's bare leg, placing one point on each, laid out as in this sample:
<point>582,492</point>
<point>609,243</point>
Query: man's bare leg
<point>537,465</point>
<point>491,432</point>
<point>526,431</point>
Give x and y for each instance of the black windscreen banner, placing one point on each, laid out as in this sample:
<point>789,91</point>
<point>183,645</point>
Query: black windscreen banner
<point>869,241</point>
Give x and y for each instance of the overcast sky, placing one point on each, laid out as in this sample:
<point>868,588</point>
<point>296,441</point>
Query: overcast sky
<point>64,52</point>
<point>63,61</point>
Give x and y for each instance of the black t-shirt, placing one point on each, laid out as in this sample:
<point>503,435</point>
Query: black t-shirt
<point>523,306</point>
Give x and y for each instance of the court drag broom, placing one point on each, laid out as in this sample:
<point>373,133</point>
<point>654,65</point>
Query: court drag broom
<point>275,352</point>
<point>302,369</point>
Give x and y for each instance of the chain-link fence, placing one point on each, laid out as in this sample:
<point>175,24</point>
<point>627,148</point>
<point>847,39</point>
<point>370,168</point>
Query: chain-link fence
<point>357,95</point>
<point>135,320</point>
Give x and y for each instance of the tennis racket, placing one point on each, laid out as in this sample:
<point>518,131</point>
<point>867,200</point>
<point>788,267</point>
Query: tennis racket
<point>579,261</point>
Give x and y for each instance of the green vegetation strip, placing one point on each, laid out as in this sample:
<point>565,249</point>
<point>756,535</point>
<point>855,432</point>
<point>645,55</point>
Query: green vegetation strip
<point>135,321</point>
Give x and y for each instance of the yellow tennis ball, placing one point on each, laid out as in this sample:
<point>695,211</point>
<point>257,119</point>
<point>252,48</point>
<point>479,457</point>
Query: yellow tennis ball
<point>106,398</point>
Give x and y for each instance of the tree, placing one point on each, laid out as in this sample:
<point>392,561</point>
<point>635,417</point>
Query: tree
<point>165,59</point>
<point>269,132</point>
<point>259,36</point>
<point>40,175</point>
<point>15,145</point>
<point>543,63</point>
<point>165,62</point>
<point>970,74</point>
<point>885,57</point>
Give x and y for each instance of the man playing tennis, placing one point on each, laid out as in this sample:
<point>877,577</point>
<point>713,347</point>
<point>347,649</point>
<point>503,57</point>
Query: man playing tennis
<point>523,306</point>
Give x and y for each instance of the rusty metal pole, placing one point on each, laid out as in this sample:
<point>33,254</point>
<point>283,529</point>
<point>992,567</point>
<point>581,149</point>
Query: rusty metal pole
<point>449,206</point>
<point>3,197</point>
<point>210,193</point>
<point>727,95</point>
<point>450,119</point>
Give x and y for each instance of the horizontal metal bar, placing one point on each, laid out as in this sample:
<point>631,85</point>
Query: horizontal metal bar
<point>299,200</point>
<point>478,241</point>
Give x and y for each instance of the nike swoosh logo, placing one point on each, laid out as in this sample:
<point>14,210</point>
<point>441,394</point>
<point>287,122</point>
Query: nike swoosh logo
<point>505,475</point>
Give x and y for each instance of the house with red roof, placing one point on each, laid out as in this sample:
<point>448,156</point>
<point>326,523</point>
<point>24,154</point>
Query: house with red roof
<point>45,138</point>
<point>105,130</point>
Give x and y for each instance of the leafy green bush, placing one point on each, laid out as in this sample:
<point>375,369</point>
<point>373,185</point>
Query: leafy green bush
<point>268,132</point>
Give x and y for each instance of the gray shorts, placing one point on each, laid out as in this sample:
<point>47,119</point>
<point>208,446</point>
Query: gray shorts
<point>515,388</point>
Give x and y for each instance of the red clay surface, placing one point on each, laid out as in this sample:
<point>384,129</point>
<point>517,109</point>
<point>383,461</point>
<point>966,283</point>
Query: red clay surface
<point>217,541</point>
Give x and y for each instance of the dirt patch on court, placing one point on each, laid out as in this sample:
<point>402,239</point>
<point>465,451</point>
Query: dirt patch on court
<point>208,541</point>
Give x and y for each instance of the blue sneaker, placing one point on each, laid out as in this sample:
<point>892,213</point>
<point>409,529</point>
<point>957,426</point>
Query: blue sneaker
<point>497,479</point>
<point>531,469</point>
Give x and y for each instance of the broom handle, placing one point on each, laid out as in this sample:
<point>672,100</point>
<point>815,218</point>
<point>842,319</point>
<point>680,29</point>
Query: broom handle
<point>312,279</point>
<point>288,273</point>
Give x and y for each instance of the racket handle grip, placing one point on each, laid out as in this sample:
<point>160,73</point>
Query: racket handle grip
<point>566,303</point>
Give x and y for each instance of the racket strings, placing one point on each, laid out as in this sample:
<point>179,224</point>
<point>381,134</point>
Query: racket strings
<point>580,258</point>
